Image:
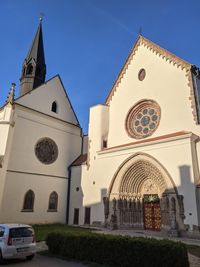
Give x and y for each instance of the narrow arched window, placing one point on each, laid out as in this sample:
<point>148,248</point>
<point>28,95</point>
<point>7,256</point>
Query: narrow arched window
<point>53,201</point>
<point>54,107</point>
<point>29,201</point>
<point>29,69</point>
<point>105,143</point>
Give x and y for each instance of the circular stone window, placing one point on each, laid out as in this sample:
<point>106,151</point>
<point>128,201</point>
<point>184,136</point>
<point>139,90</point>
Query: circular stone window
<point>46,150</point>
<point>143,119</point>
<point>141,74</point>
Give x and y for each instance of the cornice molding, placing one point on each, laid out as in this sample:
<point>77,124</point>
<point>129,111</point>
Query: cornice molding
<point>151,141</point>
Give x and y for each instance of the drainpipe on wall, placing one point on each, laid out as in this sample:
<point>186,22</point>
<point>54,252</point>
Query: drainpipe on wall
<point>68,195</point>
<point>69,183</point>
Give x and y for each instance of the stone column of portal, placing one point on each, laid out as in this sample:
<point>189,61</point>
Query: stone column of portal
<point>114,225</point>
<point>141,213</point>
<point>137,213</point>
<point>139,210</point>
<point>164,205</point>
<point>118,211</point>
<point>106,210</point>
<point>130,212</point>
<point>134,212</point>
<point>119,208</point>
<point>125,211</point>
<point>162,210</point>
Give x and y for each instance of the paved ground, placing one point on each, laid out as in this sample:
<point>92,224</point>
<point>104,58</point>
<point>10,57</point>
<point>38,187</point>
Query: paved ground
<point>194,261</point>
<point>43,261</point>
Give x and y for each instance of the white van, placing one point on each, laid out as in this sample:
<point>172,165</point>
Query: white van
<point>16,241</point>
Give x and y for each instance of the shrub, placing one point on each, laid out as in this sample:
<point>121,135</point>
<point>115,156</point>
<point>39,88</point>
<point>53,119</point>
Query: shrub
<point>118,250</point>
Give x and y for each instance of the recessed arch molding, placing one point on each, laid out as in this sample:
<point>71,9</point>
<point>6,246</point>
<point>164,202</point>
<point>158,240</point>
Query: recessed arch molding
<point>142,194</point>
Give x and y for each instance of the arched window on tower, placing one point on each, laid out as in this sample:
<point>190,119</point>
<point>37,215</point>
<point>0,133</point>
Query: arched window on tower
<point>29,201</point>
<point>54,107</point>
<point>29,69</point>
<point>53,201</point>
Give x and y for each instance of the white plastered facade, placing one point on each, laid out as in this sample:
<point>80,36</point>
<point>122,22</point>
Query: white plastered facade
<point>173,147</point>
<point>22,124</point>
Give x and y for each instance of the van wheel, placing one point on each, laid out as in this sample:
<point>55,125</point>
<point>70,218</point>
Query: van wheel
<point>1,258</point>
<point>29,258</point>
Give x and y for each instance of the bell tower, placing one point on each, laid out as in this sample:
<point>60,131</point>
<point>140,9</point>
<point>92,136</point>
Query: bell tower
<point>34,67</point>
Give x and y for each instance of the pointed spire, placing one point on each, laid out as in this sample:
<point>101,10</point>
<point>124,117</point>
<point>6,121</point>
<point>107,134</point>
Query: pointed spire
<point>36,51</point>
<point>11,95</point>
<point>34,67</point>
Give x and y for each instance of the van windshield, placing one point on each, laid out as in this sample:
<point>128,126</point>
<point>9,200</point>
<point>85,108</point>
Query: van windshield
<point>21,232</point>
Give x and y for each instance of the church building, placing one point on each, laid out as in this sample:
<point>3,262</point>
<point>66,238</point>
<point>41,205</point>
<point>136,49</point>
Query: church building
<point>40,137</point>
<point>138,167</point>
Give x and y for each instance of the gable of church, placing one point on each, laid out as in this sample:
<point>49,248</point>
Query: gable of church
<point>151,96</point>
<point>51,99</point>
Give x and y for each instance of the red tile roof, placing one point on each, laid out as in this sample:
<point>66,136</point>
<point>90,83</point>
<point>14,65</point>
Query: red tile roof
<point>80,160</point>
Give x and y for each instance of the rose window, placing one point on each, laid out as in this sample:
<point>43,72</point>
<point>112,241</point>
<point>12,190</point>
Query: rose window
<point>143,119</point>
<point>46,150</point>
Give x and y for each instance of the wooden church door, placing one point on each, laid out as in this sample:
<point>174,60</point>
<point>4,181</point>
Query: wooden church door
<point>152,213</point>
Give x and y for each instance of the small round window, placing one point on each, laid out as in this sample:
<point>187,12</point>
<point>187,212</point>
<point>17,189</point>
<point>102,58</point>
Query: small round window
<point>143,119</point>
<point>46,151</point>
<point>141,74</point>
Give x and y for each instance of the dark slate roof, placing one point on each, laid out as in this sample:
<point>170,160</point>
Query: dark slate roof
<point>80,160</point>
<point>37,49</point>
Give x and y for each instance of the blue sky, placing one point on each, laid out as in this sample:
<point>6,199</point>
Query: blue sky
<point>87,41</point>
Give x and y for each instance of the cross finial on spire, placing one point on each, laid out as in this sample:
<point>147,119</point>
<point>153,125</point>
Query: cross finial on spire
<point>140,30</point>
<point>41,16</point>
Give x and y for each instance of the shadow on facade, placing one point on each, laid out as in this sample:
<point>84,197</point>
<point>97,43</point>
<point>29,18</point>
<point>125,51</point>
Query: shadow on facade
<point>168,211</point>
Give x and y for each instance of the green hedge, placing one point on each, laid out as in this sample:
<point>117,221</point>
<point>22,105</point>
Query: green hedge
<point>118,251</point>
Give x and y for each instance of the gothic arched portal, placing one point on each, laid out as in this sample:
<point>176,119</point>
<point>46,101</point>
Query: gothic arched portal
<point>139,192</point>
